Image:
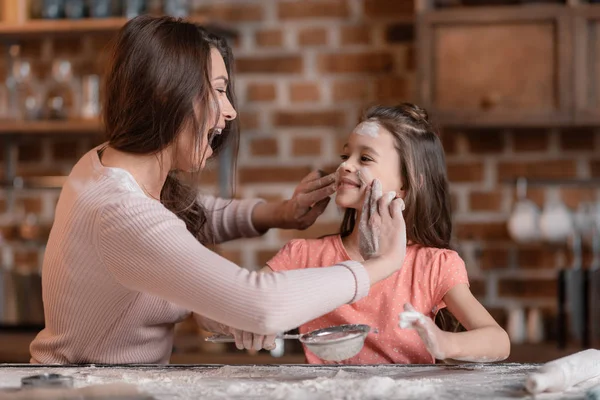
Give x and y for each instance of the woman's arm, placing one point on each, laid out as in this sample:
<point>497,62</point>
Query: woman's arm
<point>484,340</point>
<point>234,219</point>
<point>148,249</point>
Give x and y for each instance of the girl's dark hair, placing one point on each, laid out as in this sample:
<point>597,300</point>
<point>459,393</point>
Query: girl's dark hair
<point>423,171</point>
<point>159,71</point>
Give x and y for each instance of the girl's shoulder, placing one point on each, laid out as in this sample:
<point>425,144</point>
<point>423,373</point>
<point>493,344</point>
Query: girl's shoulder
<point>308,253</point>
<point>422,255</point>
<point>313,246</point>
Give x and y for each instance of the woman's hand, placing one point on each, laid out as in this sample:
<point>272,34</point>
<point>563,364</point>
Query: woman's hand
<point>435,340</point>
<point>252,341</point>
<point>381,229</point>
<point>309,201</point>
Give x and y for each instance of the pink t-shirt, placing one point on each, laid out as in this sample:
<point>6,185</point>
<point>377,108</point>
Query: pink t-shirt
<point>424,279</point>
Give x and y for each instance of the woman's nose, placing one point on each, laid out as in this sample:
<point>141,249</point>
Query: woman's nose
<point>228,111</point>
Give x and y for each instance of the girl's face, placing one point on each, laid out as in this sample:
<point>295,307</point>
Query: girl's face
<point>370,149</point>
<point>195,152</point>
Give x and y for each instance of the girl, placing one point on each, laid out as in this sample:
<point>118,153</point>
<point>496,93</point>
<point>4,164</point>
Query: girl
<point>398,146</point>
<point>125,260</point>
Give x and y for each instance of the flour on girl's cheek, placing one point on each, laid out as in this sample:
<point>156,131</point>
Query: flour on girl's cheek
<point>364,176</point>
<point>368,128</point>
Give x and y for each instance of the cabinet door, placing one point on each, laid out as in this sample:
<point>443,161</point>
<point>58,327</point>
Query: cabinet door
<point>587,64</point>
<point>496,66</point>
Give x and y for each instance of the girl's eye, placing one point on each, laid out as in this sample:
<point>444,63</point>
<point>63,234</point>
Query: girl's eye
<point>221,91</point>
<point>344,157</point>
<point>365,159</point>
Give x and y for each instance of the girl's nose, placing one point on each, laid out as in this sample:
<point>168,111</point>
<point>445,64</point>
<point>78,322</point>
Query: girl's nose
<point>348,166</point>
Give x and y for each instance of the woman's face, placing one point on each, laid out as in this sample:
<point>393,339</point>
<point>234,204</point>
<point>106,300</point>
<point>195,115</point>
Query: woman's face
<point>192,153</point>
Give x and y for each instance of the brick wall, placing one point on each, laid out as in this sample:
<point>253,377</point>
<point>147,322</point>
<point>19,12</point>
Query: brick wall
<point>306,69</point>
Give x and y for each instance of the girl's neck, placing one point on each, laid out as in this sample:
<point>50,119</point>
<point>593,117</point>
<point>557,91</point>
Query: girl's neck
<point>350,242</point>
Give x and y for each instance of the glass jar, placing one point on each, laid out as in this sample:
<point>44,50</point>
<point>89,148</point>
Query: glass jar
<point>61,96</point>
<point>24,93</point>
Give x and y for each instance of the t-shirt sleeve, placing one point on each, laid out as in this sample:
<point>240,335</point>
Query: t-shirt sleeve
<point>449,270</point>
<point>294,255</point>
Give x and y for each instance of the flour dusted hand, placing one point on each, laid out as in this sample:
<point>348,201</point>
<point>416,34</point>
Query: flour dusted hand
<point>309,201</point>
<point>252,341</point>
<point>432,336</point>
<point>382,230</point>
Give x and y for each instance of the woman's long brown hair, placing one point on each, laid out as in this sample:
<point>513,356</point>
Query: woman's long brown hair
<point>424,178</point>
<point>159,70</point>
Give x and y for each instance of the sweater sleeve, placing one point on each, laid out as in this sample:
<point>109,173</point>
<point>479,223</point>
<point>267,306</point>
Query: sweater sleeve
<point>148,249</point>
<point>227,219</point>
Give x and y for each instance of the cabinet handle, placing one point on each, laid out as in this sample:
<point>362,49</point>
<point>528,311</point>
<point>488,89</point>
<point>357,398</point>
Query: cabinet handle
<point>490,100</point>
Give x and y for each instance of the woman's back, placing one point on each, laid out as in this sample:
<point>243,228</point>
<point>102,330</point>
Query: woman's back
<point>90,316</point>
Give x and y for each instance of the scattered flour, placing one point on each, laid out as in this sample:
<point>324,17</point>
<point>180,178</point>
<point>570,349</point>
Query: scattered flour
<point>307,382</point>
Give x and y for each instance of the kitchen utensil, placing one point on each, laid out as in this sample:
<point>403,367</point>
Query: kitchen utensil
<point>90,96</point>
<point>335,343</point>
<point>57,386</point>
<point>133,8</point>
<point>516,327</point>
<point>593,291</point>
<point>556,223</point>
<point>523,224</point>
<point>561,313</point>
<point>535,326</point>
<point>575,291</point>
<point>53,380</point>
<point>565,372</point>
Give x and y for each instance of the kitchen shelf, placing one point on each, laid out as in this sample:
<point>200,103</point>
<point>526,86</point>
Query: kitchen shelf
<point>594,182</point>
<point>10,127</point>
<point>39,27</point>
<point>35,182</point>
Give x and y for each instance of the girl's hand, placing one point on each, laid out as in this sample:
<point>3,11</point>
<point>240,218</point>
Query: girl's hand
<point>435,340</point>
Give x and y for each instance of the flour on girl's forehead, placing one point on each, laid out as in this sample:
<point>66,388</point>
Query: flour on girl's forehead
<point>368,128</point>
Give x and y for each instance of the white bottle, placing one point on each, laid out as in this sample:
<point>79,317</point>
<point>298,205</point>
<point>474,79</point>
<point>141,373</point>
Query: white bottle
<point>535,326</point>
<point>562,373</point>
<point>517,326</point>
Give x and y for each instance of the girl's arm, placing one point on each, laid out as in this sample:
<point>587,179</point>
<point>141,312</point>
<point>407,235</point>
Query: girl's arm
<point>484,340</point>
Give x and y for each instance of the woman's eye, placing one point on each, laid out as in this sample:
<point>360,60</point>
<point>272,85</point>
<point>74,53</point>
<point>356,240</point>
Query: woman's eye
<point>221,91</point>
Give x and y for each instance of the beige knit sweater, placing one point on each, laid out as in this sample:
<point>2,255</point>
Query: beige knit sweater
<point>120,270</point>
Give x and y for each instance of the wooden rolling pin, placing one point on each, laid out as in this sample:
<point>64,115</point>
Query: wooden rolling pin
<point>562,373</point>
<point>121,391</point>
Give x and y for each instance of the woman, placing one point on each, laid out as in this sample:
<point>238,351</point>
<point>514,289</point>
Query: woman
<point>125,260</point>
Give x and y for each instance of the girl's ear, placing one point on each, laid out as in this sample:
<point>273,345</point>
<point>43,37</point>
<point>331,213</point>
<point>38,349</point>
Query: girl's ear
<point>402,191</point>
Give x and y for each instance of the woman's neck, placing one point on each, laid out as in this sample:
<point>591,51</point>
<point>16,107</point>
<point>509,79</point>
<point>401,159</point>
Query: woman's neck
<point>147,170</point>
